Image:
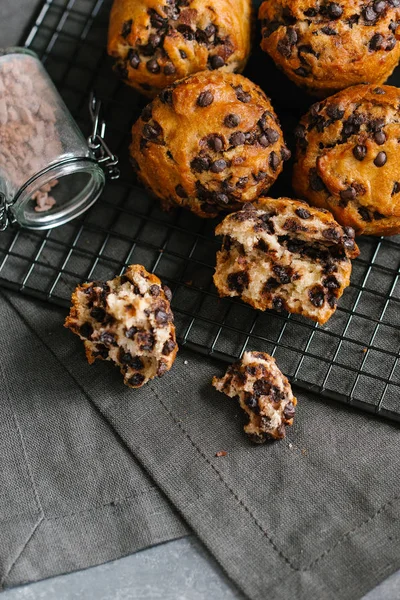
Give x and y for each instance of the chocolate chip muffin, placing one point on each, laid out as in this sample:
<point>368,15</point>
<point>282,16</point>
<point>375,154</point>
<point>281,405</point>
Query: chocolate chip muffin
<point>127,320</point>
<point>264,393</point>
<point>157,42</point>
<point>285,255</point>
<point>208,143</point>
<point>328,46</point>
<point>348,158</point>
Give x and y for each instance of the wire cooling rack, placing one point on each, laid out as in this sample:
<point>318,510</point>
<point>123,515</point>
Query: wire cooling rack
<point>353,359</point>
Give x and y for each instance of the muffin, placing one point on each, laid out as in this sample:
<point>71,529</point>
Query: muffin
<point>156,42</point>
<point>264,394</point>
<point>348,157</point>
<point>285,255</point>
<point>128,321</point>
<point>325,47</point>
<point>208,143</point>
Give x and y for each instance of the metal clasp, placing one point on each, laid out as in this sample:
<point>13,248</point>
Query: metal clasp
<point>3,213</point>
<point>102,153</point>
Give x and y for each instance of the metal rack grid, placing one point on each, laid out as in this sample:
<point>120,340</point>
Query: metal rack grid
<point>353,359</point>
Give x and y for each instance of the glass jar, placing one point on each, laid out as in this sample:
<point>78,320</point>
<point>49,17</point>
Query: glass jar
<point>49,173</point>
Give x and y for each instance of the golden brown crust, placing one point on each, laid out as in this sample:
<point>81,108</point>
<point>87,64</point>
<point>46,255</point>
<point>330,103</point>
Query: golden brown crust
<point>285,255</point>
<point>126,320</point>
<point>326,47</point>
<point>208,143</point>
<point>157,42</point>
<point>348,158</point>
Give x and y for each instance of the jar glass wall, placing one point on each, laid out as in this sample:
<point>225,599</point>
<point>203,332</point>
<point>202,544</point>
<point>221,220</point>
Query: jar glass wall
<point>47,172</point>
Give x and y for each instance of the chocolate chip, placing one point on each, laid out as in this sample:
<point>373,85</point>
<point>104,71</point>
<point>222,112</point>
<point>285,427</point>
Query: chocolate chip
<point>210,30</point>
<point>216,62</point>
<point>153,66</point>
<point>334,10</point>
<point>183,54</point>
<point>335,112</point>
<point>263,140</point>
<point>284,274</point>
<point>169,69</point>
<point>331,234</point>
<point>145,340</point>
<point>272,135</point>
<point>218,166</point>
<point>331,283</point>
<point>200,164</point>
<point>126,28</point>
<point>130,333</point>
<point>215,143</point>
<point>379,6</point>
<point>380,138</point>
<point>260,176</point>
<point>156,20</point>
<point>303,213</point>
<point>271,284</point>
<point>310,12</point>
<point>136,380</point>
<point>238,281</point>
<point>396,188</point>
<point>390,43</point>
<point>369,14</point>
<point>349,231</point>
<point>380,159</point>
<point>151,132</point>
<point>101,351</point>
<point>316,183</point>
<point>201,36</point>
<point>133,58</point>
<point>274,161</point>
<point>167,292</point>
<point>237,139</point>
<point>364,214</point>
<point>98,313</point>
<point>154,290</point>
<point>168,347</point>
<point>242,182</point>
<point>328,30</point>
<point>302,72</point>
<point>360,152</point>
<point>231,120</point>
<point>181,191</point>
<point>186,31</point>
<point>205,99</point>
<point>284,47</point>
<point>107,338</point>
<point>348,194</point>
<point>252,402</point>
<point>376,42</point>
<point>124,356</point>
<point>241,95</point>
<point>285,153</point>
<point>86,330</point>
<point>161,316</point>
<point>166,96</point>
<point>278,304</point>
<point>317,296</point>
<point>222,199</point>
<point>376,124</point>
<point>289,411</point>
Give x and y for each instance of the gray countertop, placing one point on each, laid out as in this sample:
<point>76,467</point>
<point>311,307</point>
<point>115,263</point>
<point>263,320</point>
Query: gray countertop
<point>177,570</point>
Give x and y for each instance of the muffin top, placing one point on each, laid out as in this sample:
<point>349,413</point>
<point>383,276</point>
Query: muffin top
<point>328,46</point>
<point>209,143</point>
<point>157,42</point>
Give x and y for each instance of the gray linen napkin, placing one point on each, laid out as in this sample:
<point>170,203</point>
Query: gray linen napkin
<point>71,494</point>
<point>316,516</point>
